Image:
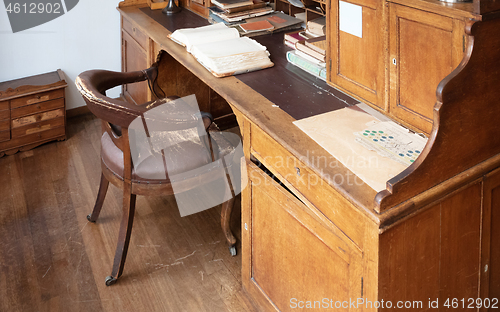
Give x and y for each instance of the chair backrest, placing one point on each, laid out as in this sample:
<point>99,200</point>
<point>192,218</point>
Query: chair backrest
<point>93,84</point>
<point>167,114</point>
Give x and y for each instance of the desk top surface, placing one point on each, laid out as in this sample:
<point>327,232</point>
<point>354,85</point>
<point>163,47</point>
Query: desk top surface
<point>295,91</point>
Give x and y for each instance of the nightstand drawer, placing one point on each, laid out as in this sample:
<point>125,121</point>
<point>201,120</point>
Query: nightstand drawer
<point>4,105</point>
<point>4,136</point>
<point>4,125</point>
<point>36,108</point>
<point>4,114</point>
<point>38,127</point>
<point>19,122</point>
<point>36,98</point>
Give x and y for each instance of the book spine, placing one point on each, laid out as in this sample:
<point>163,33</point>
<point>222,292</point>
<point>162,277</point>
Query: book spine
<point>314,69</point>
<point>289,44</point>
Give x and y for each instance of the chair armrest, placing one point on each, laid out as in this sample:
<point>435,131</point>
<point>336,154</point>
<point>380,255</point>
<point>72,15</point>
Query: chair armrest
<point>93,84</point>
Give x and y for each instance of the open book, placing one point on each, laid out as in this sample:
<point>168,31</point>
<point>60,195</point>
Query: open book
<point>222,51</point>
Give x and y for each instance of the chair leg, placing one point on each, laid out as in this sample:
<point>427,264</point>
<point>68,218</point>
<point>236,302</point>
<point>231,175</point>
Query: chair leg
<point>123,236</point>
<point>103,188</point>
<point>227,208</point>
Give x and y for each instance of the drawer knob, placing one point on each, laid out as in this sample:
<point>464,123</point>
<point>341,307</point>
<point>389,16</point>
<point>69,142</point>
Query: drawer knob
<point>297,169</point>
<point>38,107</point>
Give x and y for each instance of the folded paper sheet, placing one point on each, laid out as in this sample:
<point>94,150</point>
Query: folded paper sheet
<point>337,131</point>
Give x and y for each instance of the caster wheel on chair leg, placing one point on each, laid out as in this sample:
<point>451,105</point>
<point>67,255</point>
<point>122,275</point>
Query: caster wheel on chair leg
<point>88,218</point>
<point>232,250</point>
<point>110,280</point>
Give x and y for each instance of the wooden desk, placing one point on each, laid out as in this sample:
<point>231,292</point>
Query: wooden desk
<point>431,234</point>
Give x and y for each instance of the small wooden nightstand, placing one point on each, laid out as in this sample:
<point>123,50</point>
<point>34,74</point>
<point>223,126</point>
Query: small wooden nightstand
<point>32,112</point>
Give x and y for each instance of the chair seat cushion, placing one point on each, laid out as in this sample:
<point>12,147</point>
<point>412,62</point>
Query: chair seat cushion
<point>183,157</point>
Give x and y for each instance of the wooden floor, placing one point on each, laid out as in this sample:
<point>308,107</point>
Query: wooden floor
<point>53,259</point>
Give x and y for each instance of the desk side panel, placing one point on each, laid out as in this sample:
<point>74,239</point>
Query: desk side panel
<point>435,254</point>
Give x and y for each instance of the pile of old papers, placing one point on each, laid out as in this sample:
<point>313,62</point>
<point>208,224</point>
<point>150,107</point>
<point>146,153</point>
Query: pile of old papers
<point>222,51</point>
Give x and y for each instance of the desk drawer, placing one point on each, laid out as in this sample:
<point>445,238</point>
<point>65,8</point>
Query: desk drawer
<point>135,33</point>
<point>36,108</point>
<point>19,122</point>
<point>309,185</point>
<point>36,98</point>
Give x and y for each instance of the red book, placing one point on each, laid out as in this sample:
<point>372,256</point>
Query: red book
<point>293,36</point>
<point>257,26</point>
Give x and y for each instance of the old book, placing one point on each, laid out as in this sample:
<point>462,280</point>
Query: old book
<point>318,44</point>
<point>317,26</point>
<point>255,5</point>
<point>300,46</point>
<point>280,21</point>
<point>309,58</point>
<point>289,44</point>
<point>190,36</point>
<point>293,36</point>
<point>222,51</point>
<point>239,16</point>
<point>228,4</point>
<point>232,57</point>
<point>257,26</point>
<point>311,67</point>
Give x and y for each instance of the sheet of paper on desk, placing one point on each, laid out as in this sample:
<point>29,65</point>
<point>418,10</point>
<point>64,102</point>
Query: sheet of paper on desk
<point>393,141</point>
<point>336,133</point>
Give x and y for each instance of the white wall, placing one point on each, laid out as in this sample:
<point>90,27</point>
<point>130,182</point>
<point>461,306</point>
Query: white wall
<point>86,37</point>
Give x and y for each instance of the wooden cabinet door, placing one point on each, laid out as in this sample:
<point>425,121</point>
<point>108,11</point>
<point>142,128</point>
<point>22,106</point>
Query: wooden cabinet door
<point>424,49</point>
<point>357,63</point>
<point>134,57</point>
<point>490,249</point>
<point>291,258</point>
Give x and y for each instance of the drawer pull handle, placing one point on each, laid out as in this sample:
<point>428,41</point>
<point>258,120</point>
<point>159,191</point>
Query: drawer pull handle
<point>297,170</point>
<point>38,107</point>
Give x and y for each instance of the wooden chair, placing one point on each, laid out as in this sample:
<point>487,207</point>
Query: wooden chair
<point>116,160</point>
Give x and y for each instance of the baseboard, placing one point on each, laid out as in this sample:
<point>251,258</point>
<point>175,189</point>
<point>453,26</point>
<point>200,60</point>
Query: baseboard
<point>78,111</point>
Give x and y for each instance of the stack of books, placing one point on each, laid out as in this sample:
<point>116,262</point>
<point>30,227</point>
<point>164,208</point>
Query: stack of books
<point>232,12</point>
<point>309,53</point>
<point>221,49</point>
<point>316,27</point>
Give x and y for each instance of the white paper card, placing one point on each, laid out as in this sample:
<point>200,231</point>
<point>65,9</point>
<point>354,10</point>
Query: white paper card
<point>351,18</point>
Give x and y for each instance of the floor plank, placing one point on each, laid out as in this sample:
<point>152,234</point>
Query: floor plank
<point>53,259</point>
